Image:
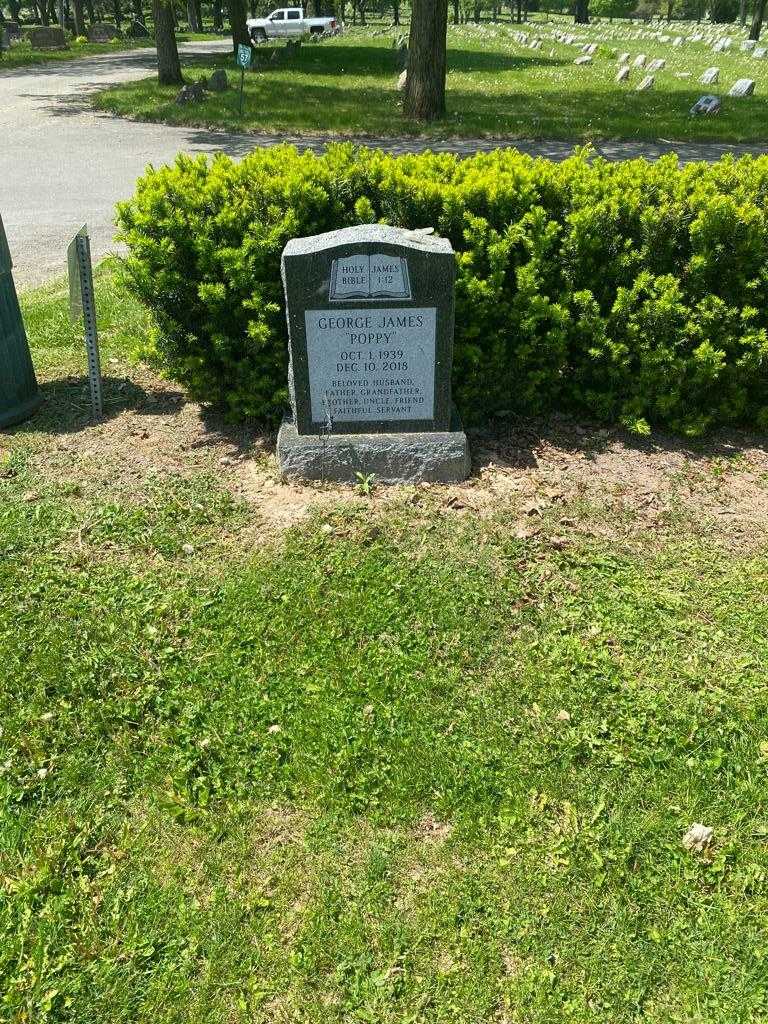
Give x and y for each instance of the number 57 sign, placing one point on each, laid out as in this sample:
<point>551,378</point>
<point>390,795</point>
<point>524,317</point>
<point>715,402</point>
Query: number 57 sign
<point>243,58</point>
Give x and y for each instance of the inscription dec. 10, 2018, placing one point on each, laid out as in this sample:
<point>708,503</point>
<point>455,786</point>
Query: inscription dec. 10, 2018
<point>371,364</point>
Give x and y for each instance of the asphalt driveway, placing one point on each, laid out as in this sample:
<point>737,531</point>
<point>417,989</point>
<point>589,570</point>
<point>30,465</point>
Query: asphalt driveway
<point>62,164</point>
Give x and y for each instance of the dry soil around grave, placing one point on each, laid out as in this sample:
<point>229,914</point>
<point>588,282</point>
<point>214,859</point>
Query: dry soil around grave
<point>551,478</point>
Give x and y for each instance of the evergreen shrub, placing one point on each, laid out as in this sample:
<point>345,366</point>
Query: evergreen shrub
<point>630,292</point>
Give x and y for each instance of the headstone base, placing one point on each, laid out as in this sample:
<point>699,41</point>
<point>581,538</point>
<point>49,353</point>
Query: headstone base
<point>435,457</point>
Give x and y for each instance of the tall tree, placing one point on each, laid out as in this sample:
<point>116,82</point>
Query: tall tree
<point>237,19</point>
<point>757,19</point>
<point>79,17</point>
<point>218,16</point>
<point>581,15</point>
<point>425,85</point>
<point>168,66</point>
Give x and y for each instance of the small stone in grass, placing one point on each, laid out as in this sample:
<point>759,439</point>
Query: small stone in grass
<point>563,716</point>
<point>698,838</point>
<point>188,549</point>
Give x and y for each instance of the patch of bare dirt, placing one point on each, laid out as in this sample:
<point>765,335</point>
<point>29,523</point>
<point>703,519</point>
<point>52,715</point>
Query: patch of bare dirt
<point>549,476</point>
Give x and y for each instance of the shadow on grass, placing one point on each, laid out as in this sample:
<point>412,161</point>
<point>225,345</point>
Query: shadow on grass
<point>66,409</point>
<point>282,103</point>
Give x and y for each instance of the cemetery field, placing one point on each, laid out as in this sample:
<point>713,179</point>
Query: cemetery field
<point>497,86</point>
<point>309,754</point>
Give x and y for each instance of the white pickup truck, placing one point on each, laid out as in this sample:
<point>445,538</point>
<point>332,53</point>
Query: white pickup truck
<point>288,22</point>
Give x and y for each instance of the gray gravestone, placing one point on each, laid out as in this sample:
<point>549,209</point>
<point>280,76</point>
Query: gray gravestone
<point>706,105</point>
<point>46,38</point>
<point>622,75</point>
<point>218,81</point>
<point>370,323</point>
<point>744,87</point>
<point>102,32</point>
<point>646,84</point>
<point>710,76</point>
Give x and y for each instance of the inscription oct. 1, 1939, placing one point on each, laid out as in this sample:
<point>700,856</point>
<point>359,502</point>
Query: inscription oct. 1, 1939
<point>371,364</point>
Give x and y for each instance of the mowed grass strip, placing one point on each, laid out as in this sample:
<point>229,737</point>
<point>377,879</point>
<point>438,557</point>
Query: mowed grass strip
<point>496,87</point>
<point>394,766</point>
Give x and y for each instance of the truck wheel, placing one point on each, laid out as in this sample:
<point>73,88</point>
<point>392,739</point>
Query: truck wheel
<point>258,35</point>
<point>316,31</point>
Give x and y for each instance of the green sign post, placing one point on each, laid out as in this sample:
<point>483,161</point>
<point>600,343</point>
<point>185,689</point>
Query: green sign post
<point>243,61</point>
<point>19,396</point>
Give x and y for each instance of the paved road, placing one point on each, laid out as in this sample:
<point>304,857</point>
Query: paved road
<point>62,164</point>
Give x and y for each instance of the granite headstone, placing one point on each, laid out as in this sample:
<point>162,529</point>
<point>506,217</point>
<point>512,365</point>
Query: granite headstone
<point>370,313</point>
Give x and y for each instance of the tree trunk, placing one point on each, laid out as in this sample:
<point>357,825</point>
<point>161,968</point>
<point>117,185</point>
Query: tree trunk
<point>425,85</point>
<point>361,10</point>
<point>742,13</point>
<point>237,19</point>
<point>396,12</point>
<point>218,16</point>
<point>79,16</point>
<point>137,11</point>
<point>757,20</point>
<point>89,9</point>
<point>456,18</point>
<point>581,17</point>
<point>168,66</point>
<point>194,24</point>
<point>118,11</point>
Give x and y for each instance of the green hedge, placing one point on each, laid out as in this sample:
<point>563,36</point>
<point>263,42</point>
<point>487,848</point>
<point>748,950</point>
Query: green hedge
<point>630,292</point>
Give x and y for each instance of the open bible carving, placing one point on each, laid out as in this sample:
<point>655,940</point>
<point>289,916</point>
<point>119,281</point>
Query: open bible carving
<point>375,276</point>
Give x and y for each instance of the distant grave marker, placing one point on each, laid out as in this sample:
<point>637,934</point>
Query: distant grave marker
<point>743,87</point>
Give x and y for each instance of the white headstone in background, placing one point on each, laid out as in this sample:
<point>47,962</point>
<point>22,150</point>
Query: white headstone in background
<point>657,65</point>
<point>744,87</point>
<point>622,75</point>
<point>647,83</point>
<point>583,60</point>
<point>710,76</point>
<point>639,61</point>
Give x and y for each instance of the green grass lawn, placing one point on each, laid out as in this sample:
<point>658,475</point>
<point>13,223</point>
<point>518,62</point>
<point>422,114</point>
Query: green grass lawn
<point>496,87</point>
<point>394,763</point>
<point>21,54</point>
